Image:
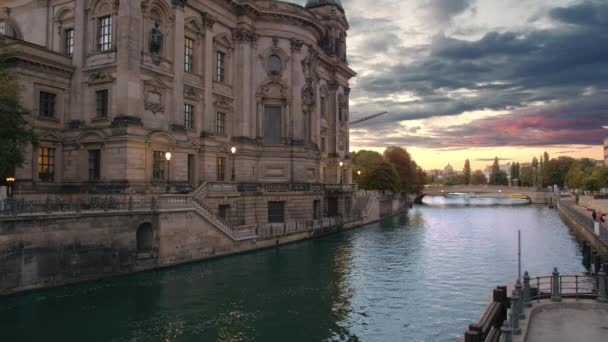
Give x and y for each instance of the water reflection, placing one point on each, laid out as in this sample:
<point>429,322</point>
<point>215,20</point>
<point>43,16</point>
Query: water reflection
<point>471,199</point>
<point>420,276</point>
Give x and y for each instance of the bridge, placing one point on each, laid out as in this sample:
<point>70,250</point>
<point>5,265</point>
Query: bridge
<point>534,194</point>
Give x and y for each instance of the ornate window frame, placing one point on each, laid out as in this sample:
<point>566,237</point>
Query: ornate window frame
<point>166,19</point>
<point>99,9</point>
<point>223,44</point>
<point>64,21</point>
<point>195,30</point>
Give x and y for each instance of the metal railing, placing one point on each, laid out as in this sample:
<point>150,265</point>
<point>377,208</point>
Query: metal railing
<point>57,205</point>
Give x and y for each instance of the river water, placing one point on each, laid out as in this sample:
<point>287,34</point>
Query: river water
<point>423,276</point>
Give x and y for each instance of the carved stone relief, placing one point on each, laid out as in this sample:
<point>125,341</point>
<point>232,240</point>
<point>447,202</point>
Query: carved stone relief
<point>154,91</point>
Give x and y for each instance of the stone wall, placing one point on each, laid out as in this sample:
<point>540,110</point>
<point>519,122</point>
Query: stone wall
<point>590,202</point>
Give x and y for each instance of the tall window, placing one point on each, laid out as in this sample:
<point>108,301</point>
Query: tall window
<point>94,165</point>
<point>221,168</point>
<point>158,165</point>
<point>221,65</point>
<point>323,106</point>
<point>69,41</point>
<point>188,54</point>
<point>46,164</point>
<point>316,209</point>
<point>102,103</point>
<point>188,116</point>
<point>272,125</point>
<point>47,104</point>
<point>221,123</point>
<point>223,210</point>
<point>104,33</point>
<point>276,211</point>
<point>323,148</point>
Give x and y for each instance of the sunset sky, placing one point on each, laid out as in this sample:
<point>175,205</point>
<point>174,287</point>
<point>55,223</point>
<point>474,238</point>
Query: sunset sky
<point>480,78</point>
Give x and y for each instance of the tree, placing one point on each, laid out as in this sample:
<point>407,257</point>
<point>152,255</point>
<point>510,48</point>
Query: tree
<point>364,161</point>
<point>15,133</point>
<point>495,172</point>
<point>382,176</point>
<point>556,170</point>
<point>402,161</point>
<point>478,178</point>
<point>454,179</point>
<point>526,176</point>
<point>535,168</point>
<point>467,172</point>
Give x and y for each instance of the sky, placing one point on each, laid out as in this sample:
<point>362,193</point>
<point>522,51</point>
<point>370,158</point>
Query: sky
<point>479,78</point>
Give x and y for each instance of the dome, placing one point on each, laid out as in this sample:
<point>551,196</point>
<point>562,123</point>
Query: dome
<point>317,3</point>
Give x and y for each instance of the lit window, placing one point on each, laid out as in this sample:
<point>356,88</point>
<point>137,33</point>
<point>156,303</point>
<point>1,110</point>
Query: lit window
<point>69,41</point>
<point>188,116</point>
<point>104,33</point>
<point>221,64</point>
<point>46,164</point>
<point>47,104</point>
<point>158,165</point>
<point>221,123</point>
<point>221,168</point>
<point>188,55</point>
<point>102,103</point>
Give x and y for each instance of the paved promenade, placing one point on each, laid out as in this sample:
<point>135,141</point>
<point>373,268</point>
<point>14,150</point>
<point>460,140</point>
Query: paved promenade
<point>569,324</point>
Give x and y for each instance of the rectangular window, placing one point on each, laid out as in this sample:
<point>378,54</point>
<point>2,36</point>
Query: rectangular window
<point>316,209</point>
<point>46,164</point>
<point>222,211</point>
<point>221,65</point>
<point>104,33</point>
<point>158,165</point>
<point>272,125</point>
<point>47,104</point>
<point>94,165</point>
<point>188,116</point>
<point>276,211</point>
<point>188,55</point>
<point>323,147</point>
<point>101,97</point>
<point>221,123</point>
<point>323,106</point>
<point>69,41</point>
<point>221,168</point>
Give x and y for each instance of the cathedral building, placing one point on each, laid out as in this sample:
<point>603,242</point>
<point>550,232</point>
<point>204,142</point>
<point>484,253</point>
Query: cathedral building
<point>243,103</point>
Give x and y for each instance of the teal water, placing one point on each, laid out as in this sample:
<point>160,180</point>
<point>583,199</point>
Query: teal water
<point>417,277</point>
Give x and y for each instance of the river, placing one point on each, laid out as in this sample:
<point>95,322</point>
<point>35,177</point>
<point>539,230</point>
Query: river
<point>423,276</point>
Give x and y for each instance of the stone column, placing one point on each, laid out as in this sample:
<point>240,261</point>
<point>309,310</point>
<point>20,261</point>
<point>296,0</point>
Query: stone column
<point>178,65</point>
<point>78,57</point>
<point>209,74</point>
<point>128,43</point>
<point>243,37</point>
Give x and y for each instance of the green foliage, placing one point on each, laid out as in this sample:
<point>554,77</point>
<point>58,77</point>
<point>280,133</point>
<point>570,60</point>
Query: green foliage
<point>498,177</point>
<point>479,178</point>
<point>555,170</point>
<point>466,171</point>
<point>364,161</point>
<point>382,176</point>
<point>526,176</point>
<point>411,177</point>
<point>15,133</point>
<point>454,179</point>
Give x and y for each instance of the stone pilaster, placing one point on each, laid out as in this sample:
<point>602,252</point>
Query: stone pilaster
<point>209,72</point>
<point>128,32</point>
<point>76,111</point>
<point>243,38</point>
<point>177,116</point>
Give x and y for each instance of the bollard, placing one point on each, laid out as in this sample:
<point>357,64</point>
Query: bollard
<point>556,296</point>
<point>514,315</point>
<point>505,335</point>
<point>527,302</point>
<point>601,286</point>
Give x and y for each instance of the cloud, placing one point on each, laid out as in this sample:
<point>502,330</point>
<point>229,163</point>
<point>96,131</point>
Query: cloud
<point>591,13</point>
<point>492,159</point>
<point>442,11</point>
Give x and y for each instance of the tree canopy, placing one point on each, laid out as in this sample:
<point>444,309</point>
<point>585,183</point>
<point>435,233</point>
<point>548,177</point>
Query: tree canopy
<point>15,133</point>
<point>466,172</point>
<point>478,178</point>
<point>382,176</point>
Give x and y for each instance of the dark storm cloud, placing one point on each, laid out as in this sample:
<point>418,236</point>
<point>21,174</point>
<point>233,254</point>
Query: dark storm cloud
<point>503,70</point>
<point>442,11</point>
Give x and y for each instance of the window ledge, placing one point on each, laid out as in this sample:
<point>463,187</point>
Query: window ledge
<point>100,119</point>
<point>47,118</point>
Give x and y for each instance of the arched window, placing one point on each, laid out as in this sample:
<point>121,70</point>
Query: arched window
<point>145,237</point>
<point>9,28</point>
<point>274,65</point>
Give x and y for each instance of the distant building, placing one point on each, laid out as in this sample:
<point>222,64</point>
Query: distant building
<point>448,170</point>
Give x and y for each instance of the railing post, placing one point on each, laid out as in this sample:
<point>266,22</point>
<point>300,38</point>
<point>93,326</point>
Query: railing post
<point>527,289</point>
<point>505,335</point>
<point>556,295</point>
<point>601,286</point>
<point>520,302</point>
<point>514,314</point>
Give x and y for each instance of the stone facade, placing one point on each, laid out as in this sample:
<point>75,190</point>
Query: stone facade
<point>113,85</point>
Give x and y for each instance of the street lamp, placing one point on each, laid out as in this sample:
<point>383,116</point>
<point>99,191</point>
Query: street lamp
<point>10,181</point>
<point>168,158</point>
<point>358,172</point>
<point>233,151</point>
<point>341,164</point>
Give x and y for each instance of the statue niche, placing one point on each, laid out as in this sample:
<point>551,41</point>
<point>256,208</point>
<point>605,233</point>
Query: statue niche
<point>156,40</point>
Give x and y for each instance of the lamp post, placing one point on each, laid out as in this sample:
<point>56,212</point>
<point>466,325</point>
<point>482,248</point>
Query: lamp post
<point>233,151</point>
<point>168,158</point>
<point>341,164</point>
<point>10,181</point>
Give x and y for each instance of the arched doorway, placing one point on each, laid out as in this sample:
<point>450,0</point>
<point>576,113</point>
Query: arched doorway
<point>145,237</point>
